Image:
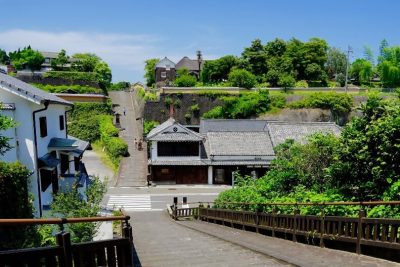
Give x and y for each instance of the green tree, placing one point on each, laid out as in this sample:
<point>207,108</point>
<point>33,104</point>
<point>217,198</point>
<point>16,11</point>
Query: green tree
<point>242,78</point>
<point>361,71</point>
<point>389,66</point>
<point>255,57</point>
<point>27,58</point>
<point>369,149</point>
<point>5,124</point>
<point>215,71</point>
<point>336,63</point>
<point>150,71</point>
<point>4,58</point>
<point>71,203</point>
<point>369,55</point>
<point>61,60</point>
<point>286,81</point>
<point>103,72</point>
<point>85,62</point>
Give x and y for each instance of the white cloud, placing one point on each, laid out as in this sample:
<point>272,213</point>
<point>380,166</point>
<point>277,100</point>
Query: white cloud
<point>125,53</point>
<point>121,50</point>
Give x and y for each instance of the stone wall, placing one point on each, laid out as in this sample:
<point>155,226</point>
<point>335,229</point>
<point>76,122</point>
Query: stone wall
<point>159,110</point>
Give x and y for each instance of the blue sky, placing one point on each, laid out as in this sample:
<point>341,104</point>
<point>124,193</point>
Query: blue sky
<point>126,32</point>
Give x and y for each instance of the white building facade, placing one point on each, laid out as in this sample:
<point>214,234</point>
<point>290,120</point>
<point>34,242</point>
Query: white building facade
<point>40,140</point>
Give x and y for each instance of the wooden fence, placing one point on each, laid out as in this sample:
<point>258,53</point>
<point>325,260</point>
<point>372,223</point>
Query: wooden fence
<point>112,252</point>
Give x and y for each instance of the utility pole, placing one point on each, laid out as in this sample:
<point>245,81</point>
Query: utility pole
<point>349,50</point>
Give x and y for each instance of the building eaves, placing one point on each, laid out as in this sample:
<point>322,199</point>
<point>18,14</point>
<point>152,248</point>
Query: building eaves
<point>28,91</point>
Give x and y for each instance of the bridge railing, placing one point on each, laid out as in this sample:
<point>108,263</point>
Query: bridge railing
<point>111,252</point>
<point>358,231</point>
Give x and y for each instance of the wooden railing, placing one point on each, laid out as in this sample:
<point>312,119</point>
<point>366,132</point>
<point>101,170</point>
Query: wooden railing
<point>357,231</point>
<point>374,232</point>
<point>112,252</point>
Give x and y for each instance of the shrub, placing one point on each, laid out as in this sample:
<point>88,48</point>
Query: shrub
<point>301,84</point>
<point>242,78</point>
<point>194,108</point>
<point>116,147</point>
<point>338,103</point>
<point>119,86</point>
<point>107,128</point>
<point>15,203</point>
<point>177,103</point>
<point>215,113</point>
<point>149,125</point>
<point>86,129</point>
<point>278,101</point>
<point>188,117</point>
<point>186,80</point>
<point>286,81</point>
<point>168,101</point>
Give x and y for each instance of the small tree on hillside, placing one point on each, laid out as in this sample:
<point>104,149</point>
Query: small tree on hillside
<point>242,78</point>
<point>61,60</point>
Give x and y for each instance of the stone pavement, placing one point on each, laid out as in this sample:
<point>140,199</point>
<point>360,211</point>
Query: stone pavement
<point>133,169</point>
<point>294,253</point>
<point>159,241</point>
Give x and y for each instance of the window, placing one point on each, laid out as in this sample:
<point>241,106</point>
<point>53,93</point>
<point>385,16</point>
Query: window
<point>61,118</point>
<point>64,163</point>
<point>171,149</point>
<point>163,74</point>
<point>43,126</point>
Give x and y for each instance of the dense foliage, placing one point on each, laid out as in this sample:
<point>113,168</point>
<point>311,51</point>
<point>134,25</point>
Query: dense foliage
<point>149,125</point>
<point>184,78</point>
<point>119,86</point>
<point>15,203</point>
<point>216,71</point>
<point>150,73</point>
<point>338,103</point>
<point>26,58</point>
<point>242,78</point>
<point>244,106</point>
<point>361,164</point>
<point>71,203</point>
<point>93,122</point>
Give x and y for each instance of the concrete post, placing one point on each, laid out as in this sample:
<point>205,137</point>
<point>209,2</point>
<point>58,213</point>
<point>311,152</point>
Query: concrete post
<point>210,175</point>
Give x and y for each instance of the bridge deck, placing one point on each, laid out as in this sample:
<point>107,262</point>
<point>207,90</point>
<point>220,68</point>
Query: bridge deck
<point>159,241</point>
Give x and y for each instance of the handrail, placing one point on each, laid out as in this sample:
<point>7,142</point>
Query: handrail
<point>28,221</point>
<point>340,203</point>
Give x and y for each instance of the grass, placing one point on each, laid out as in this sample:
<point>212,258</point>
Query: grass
<point>99,149</point>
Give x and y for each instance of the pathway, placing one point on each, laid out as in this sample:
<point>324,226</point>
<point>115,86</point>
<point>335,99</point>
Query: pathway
<point>133,169</point>
<point>161,242</point>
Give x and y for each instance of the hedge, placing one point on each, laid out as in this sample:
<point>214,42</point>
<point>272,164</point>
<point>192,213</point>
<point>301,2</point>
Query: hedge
<point>77,89</point>
<point>73,75</point>
<point>116,148</point>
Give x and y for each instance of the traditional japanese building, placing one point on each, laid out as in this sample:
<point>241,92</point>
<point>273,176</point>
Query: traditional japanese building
<point>182,156</point>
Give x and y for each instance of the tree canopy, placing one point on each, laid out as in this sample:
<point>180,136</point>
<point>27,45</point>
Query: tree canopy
<point>150,73</point>
<point>27,58</point>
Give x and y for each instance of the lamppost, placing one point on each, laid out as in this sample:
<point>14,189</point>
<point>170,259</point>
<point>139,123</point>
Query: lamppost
<point>349,50</point>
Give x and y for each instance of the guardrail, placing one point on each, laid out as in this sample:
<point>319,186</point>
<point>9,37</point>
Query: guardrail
<point>112,252</point>
<point>358,231</point>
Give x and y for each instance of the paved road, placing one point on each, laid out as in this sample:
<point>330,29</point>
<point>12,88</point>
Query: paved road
<point>133,169</point>
<point>156,198</point>
<point>161,242</point>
